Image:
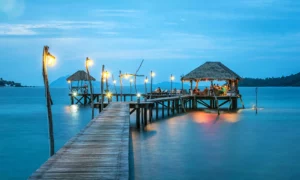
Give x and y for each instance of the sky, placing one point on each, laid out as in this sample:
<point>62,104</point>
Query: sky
<point>255,38</point>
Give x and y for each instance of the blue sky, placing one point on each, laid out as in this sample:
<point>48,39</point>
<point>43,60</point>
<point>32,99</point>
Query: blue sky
<point>255,38</point>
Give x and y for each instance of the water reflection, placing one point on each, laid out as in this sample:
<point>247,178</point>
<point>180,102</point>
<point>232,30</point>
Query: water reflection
<point>211,118</point>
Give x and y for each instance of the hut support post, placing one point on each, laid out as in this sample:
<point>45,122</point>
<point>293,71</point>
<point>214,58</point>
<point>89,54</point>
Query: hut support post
<point>216,99</point>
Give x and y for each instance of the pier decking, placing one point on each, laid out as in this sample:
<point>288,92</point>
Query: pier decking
<point>100,151</point>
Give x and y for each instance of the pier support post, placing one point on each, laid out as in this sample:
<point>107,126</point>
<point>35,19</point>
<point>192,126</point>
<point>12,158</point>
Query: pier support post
<point>84,99</point>
<point>163,110</point>
<point>145,116</point>
<point>234,104</point>
<point>156,107</point>
<point>150,113</point>
<point>173,107</point>
<point>168,108</point>
<point>138,116</point>
<point>72,99</point>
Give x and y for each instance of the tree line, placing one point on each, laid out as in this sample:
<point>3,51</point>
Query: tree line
<point>9,83</point>
<point>292,80</point>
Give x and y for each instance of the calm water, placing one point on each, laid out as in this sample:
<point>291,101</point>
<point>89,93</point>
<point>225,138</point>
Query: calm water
<point>190,146</point>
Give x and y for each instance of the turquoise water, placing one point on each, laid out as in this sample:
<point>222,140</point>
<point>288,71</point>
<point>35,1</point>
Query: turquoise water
<point>196,145</point>
<point>234,146</point>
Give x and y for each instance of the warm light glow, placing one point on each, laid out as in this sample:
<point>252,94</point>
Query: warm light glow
<point>51,60</point>
<point>74,93</point>
<point>89,62</point>
<point>69,81</point>
<point>146,80</point>
<point>152,74</point>
<point>172,78</point>
<point>138,95</point>
<point>126,76</point>
<point>131,80</point>
<point>115,82</point>
<point>108,94</point>
<point>106,74</point>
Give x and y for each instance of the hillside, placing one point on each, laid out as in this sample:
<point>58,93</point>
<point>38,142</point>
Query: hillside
<point>292,80</point>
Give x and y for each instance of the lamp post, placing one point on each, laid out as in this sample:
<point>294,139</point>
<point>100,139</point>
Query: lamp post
<point>146,81</point>
<point>89,62</point>
<point>152,74</point>
<point>172,79</point>
<point>49,60</point>
<point>131,80</point>
<point>138,95</point>
<point>108,95</point>
<point>106,75</point>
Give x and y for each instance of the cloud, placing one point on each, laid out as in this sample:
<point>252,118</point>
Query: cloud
<point>115,13</point>
<point>37,28</point>
<point>12,8</point>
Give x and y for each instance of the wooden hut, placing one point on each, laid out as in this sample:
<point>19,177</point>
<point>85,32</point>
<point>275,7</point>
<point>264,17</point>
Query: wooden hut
<point>213,71</point>
<point>81,77</point>
<point>216,71</point>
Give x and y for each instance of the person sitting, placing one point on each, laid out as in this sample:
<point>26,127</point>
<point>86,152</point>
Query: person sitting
<point>196,91</point>
<point>205,91</point>
<point>158,90</point>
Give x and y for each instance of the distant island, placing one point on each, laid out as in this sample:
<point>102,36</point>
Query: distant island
<point>292,80</point>
<point>5,83</point>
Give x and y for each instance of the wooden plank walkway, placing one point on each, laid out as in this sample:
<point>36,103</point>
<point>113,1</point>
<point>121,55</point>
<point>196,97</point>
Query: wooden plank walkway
<point>100,151</point>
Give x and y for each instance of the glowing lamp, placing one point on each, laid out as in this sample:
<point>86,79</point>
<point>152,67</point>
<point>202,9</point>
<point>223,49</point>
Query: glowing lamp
<point>108,94</point>
<point>115,82</point>
<point>74,93</point>
<point>152,74</point>
<point>51,60</point>
<point>89,62</point>
<point>69,81</point>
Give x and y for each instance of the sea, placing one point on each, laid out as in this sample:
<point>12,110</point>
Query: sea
<point>242,145</point>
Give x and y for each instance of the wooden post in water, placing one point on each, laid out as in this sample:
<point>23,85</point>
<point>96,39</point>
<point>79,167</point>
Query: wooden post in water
<point>47,59</point>
<point>256,90</point>
<point>102,92</point>
<point>163,109</point>
<point>91,87</point>
<point>156,107</point>
<point>145,116</point>
<point>168,107</point>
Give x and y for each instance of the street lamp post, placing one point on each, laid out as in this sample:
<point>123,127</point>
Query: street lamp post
<point>89,62</point>
<point>172,79</point>
<point>49,60</point>
<point>146,81</point>
<point>131,88</point>
<point>152,74</point>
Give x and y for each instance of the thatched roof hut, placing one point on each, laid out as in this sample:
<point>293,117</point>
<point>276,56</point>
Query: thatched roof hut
<point>80,76</point>
<point>211,71</point>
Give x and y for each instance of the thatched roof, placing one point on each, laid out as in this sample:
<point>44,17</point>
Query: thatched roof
<point>211,71</point>
<point>80,76</point>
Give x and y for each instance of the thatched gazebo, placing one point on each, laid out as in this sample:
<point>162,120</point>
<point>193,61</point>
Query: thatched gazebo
<point>81,77</point>
<point>211,71</point>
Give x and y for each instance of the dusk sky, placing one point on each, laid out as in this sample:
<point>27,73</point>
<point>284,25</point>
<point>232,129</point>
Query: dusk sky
<point>255,38</point>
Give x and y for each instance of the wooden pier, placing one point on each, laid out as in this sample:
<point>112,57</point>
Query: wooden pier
<point>100,151</point>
